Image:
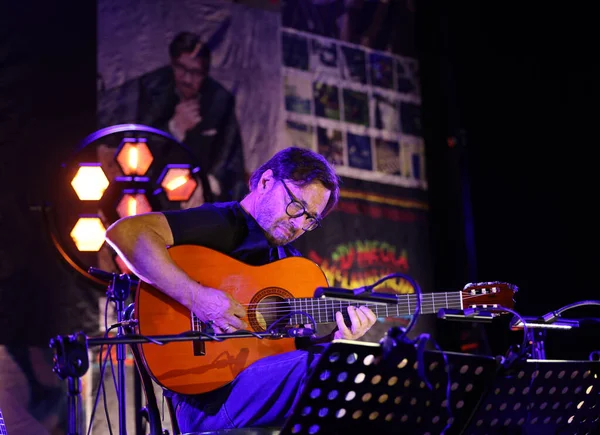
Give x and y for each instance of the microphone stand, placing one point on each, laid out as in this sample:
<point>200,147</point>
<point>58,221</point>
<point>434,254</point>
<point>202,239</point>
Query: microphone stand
<point>118,292</point>
<point>71,362</point>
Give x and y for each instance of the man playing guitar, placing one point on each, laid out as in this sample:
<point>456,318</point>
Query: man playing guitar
<point>289,195</point>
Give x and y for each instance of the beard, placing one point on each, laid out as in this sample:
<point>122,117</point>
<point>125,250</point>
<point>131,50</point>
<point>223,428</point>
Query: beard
<point>278,232</point>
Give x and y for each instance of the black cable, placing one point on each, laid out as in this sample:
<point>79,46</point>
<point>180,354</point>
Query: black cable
<point>525,330</point>
<point>422,341</point>
<point>106,413</point>
<point>112,366</point>
<point>418,293</point>
<point>102,367</point>
<point>109,356</point>
<point>290,314</point>
<point>506,364</point>
<point>100,388</point>
<point>551,316</point>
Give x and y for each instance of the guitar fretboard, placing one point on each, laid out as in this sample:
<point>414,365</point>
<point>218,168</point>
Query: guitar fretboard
<point>323,310</point>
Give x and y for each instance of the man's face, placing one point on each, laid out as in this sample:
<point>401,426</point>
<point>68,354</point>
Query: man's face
<point>190,71</point>
<point>271,215</point>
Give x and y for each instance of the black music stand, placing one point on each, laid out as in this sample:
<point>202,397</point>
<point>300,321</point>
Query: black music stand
<point>541,397</point>
<point>360,388</point>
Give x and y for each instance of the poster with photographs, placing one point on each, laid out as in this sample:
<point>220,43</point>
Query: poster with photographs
<point>358,106</point>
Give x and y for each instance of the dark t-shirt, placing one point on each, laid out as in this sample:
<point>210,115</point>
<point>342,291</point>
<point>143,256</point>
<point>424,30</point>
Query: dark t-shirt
<point>227,228</point>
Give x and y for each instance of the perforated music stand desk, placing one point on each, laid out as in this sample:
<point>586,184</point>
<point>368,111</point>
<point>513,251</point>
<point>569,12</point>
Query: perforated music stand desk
<point>355,389</point>
<point>542,397</point>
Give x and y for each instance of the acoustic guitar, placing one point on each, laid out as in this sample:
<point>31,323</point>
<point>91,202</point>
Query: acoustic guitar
<point>272,292</point>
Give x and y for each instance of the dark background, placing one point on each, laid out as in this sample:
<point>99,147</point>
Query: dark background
<point>513,86</point>
<point>514,199</point>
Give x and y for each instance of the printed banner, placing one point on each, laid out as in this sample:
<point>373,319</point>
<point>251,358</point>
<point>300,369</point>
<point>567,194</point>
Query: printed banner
<point>238,98</point>
<point>351,92</point>
<point>348,95</point>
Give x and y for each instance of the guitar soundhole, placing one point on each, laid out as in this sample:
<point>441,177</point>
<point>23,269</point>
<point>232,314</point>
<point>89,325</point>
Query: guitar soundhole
<point>269,309</point>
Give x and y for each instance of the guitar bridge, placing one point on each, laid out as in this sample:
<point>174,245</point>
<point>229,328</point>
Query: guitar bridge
<point>199,348</point>
<point>199,345</point>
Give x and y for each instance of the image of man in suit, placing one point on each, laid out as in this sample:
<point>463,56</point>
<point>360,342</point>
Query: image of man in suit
<point>182,99</point>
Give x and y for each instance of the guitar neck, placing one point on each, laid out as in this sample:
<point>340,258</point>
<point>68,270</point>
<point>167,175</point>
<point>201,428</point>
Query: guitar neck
<point>323,310</point>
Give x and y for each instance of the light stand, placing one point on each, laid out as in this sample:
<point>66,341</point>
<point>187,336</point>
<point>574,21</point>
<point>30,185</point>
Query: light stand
<point>534,328</point>
<point>536,332</point>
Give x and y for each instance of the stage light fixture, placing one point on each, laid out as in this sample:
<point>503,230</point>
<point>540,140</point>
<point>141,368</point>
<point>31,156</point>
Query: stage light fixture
<point>89,182</point>
<point>133,203</point>
<point>88,234</point>
<point>134,157</point>
<point>177,182</point>
<point>117,171</point>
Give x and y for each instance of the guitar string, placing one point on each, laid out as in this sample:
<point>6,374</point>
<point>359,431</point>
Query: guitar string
<point>331,304</point>
<point>411,297</point>
<point>273,306</point>
<point>323,311</point>
<point>272,309</point>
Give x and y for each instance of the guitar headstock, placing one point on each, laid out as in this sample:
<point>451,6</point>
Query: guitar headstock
<point>492,294</point>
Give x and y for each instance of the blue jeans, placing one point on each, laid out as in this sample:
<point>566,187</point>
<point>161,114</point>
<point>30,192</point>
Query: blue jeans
<point>262,395</point>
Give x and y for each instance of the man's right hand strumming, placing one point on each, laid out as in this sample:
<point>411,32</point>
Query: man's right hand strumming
<point>219,309</point>
<point>141,241</point>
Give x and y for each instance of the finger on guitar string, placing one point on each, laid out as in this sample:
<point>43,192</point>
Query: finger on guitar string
<point>371,316</point>
<point>235,322</point>
<point>361,320</point>
<point>355,320</point>
<point>235,307</point>
<point>238,310</point>
<point>343,331</point>
<point>361,314</point>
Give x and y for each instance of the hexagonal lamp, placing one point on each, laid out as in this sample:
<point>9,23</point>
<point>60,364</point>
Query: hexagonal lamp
<point>89,182</point>
<point>133,203</point>
<point>88,234</point>
<point>134,156</point>
<point>178,183</point>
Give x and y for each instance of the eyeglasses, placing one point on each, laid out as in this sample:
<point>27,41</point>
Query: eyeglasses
<point>182,69</point>
<point>296,209</point>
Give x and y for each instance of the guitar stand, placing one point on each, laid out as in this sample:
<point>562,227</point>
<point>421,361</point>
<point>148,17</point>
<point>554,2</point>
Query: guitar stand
<point>359,387</point>
<point>541,397</point>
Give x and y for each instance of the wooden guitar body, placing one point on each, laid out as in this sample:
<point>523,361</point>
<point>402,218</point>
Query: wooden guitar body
<point>182,366</point>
